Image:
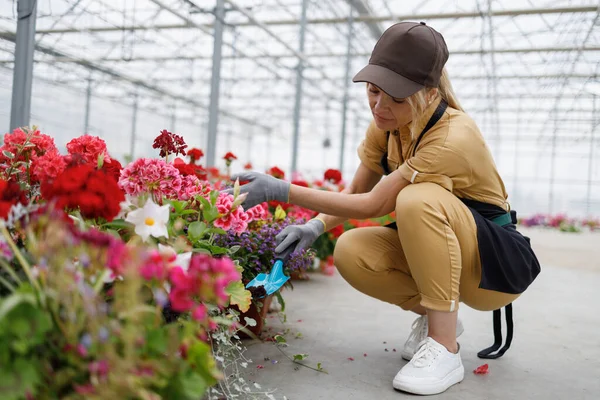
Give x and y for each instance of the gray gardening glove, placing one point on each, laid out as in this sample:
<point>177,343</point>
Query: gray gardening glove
<point>261,188</point>
<point>297,237</point>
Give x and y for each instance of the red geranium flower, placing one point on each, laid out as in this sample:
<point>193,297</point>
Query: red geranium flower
<point>169,143</point>
<point>229,156</point>
<point>248,166</point>
<point>10,194</point>
<point>333,176</point>
<point>113,168</point>
<point>184,169</point>
<point>89,148</point>
<point>201,173</point>
<point>214,172</point>
<point>337,231</point>
<point>94,192</point>
<point>276,172</point>
<point>195,154</point>
<point>300,183</point>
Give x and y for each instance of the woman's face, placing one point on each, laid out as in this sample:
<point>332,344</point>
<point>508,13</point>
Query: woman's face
<point>389,113</point>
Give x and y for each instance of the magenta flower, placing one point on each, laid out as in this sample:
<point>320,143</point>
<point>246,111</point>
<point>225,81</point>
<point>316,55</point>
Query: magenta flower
<point>147,175</point>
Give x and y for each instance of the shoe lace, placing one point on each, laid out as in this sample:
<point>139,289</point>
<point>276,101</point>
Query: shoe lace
<point>419,329</point>
<point>426,354</point>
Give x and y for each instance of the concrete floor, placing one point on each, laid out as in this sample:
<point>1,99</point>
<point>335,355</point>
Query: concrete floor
<point>555,352</point>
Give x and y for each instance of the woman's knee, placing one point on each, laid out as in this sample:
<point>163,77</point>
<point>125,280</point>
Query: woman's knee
<point>415,199</point>
<point>346,250</point>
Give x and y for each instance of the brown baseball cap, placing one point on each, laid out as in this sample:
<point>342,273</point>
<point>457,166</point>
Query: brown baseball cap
<point>408,57</point>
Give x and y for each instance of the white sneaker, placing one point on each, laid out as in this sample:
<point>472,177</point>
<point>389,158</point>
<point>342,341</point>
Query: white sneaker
<point>420,329</point>
<point>432,370</point>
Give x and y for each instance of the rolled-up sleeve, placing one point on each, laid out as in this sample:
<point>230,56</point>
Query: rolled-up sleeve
<point>373,148</point>
<point>438,163</point>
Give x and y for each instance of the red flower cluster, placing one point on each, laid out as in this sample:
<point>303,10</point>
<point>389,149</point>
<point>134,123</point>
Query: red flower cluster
<point>89,148</point>
<point>169,143</point>
<point>190,169</point>
<point>10,195</point>
<point>337,231</point>
<point>248,166</point>
<point>229,157</point>
<point>195,155</point>
<point>333,176</point>
<point>113,168</point>
<point>94,192</point>
<point>276,172</point>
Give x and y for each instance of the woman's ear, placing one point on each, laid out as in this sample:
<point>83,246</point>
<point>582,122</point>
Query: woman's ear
<point>432,94</point>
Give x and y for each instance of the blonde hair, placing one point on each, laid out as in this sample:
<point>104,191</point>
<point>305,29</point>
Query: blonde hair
<point>418,101</point>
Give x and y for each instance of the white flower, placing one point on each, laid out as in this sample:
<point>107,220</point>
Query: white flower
<point>126,206</point>
<point>181,260</point>
<point>149,220</point>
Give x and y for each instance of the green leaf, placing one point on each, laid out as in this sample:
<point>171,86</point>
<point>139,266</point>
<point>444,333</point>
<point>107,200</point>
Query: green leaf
<point>239,296</point>
<point>8,154</point>
<point>22,377</point>
<point>117,224</point>
<point>300,357</point>
<point>100,161</point>
<point>319,366</point>
<point>14,300</point>
<point>234,249</point>
<point>156,342</point>
<point>214,195</point>
<point>217,231</point>
<point>279,339</point>
<point>281,300</point>
<point>113,233</point>
<point>196,230</point>
<point>188,212</point>
<point>250,321</point>
<point>200,356</point>
<point>186,385</point>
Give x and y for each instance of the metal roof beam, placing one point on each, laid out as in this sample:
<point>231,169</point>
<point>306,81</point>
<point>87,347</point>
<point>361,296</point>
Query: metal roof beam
<point>11,37</point>
<point>363,10</point>
<point>360,18</point>
<point>322,55</point>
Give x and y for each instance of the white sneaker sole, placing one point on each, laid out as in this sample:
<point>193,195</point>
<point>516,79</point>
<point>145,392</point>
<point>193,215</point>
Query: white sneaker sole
<point>449,380</point>
<point>408,355</point>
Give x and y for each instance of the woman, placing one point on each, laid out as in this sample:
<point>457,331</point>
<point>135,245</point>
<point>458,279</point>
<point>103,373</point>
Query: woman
<point>454,240</point>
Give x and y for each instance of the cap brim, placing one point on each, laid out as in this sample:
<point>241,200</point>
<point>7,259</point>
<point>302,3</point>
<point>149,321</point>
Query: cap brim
<point>387,80</point>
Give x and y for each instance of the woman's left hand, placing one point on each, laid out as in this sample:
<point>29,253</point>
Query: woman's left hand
<point>260,188</point>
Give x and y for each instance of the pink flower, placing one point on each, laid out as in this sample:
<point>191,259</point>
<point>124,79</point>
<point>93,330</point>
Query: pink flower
<point>155,267</point>
<point>191,186</point>
<point>48,166</point>
<point>200,313</point>
<point>204,282</point>
<point>88,388</point>
<point>147,175</point>
<point>89,147</point>
<point>181,300</point>
<point>299,213</point>
<point>236,220</point>
<point>117,257</point>
<point>99,368</point>
<point>259,212</point>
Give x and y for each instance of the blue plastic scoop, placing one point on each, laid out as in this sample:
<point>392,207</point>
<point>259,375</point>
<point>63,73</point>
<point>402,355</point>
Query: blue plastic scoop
<point>272,281</point>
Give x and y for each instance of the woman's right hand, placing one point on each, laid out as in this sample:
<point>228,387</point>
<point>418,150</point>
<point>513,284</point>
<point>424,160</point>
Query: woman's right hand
<point>294,238</point>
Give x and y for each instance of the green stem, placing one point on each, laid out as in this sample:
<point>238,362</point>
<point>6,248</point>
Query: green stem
<point>22,260</point>
<point>7,284</point>
<point>299,363</point>
<point>7,267</point>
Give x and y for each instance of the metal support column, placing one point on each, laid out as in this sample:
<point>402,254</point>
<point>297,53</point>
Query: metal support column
<point>346,88</point>
<point>516,153</point>
<point>552,162</point>
<point>299,81</point>
<point>23,70</point>
<point>213,108</point>
<point>493,88</point>
<point>133,126</point>
<point>591,159</point>
<point>88,100</point>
